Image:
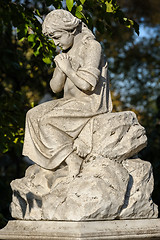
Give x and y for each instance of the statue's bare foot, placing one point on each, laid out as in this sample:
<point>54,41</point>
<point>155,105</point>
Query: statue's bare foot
<point>74,163</point>
<point>81,148</point>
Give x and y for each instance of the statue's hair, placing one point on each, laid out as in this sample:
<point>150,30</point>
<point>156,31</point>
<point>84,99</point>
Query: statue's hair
<point>62,20</point>
<point>59,20</point>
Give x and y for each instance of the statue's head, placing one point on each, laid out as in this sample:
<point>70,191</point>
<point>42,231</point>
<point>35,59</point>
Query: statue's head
<point>60,25</point>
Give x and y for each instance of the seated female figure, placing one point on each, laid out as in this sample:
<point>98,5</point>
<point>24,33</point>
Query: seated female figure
<point>52,128</point>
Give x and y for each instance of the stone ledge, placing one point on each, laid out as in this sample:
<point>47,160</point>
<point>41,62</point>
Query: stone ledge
<point>92,230</point>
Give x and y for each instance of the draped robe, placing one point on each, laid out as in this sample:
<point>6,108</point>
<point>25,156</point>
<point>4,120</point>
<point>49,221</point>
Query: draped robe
<point>52,127</point>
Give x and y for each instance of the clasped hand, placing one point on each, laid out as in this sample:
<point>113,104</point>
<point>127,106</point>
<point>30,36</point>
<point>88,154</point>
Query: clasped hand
<point>63,62</point>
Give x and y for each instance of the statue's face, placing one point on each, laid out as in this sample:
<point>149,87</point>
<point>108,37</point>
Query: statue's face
<point>63,39</point>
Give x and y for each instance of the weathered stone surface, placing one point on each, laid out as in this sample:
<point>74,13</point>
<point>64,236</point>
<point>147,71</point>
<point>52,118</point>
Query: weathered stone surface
<point>138,201</point>
<point>146,229</point>
<point>104,189</point>
<point>96,193</point>
<point>117,136</point>
<point>28,192</point>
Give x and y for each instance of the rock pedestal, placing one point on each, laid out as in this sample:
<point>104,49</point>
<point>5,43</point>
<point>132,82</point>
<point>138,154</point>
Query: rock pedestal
<point>111,184</point>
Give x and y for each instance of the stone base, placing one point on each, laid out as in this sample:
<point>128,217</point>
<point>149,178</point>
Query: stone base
<point>92,230</point>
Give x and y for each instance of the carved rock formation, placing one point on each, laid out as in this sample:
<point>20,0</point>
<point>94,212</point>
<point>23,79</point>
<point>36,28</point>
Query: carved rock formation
<point>109,186</point>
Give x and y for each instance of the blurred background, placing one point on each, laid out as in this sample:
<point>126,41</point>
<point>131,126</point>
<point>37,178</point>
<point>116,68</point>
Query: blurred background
<point>26,67</point>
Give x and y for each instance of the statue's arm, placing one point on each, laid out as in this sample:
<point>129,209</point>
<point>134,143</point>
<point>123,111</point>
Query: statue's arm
<point>78,81</point>
<point>85,78</point>
<point>92,61</point>
<point>58,80</point>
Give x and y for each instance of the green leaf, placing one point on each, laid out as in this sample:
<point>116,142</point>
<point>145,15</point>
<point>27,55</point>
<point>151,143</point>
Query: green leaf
<point>5,150</point>
<point>16,140</point>
<point>36,53</point>
<point>82,1</point>
<point>109,6</point>
<point>79,15</point>
<point>38,13</point>
<point>79,12</point>
<point>47,60</point>
<point>32,104</point>
<point>69,4</point>
<point>130,23</point>
<point>79,8</point>
<point>22,39</point>
<point>31,38</point>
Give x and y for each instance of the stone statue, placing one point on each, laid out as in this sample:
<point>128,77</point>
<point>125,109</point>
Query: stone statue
<point>52,128</point>
<point>86,167</point>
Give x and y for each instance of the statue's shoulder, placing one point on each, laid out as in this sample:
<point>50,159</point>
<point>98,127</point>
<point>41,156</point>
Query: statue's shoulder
<point>91,44</point>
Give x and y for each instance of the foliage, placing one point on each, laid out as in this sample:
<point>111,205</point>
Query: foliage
<point>28,20</point>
